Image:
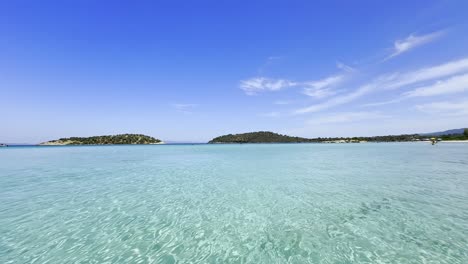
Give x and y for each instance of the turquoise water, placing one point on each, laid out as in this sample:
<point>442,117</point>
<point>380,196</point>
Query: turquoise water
<point>298,203</point>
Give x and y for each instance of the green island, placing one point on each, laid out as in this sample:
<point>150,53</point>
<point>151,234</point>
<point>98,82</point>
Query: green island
<point>258,137</point>
<point>270,137</point>
<point>130,139</point>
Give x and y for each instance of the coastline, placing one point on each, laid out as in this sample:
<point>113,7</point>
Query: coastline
<point>71,144</point>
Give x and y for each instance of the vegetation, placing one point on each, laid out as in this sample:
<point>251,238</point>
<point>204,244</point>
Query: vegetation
<point>258,137</point>
<point>463,136</point>
<point>389,138</point>
<point>105,140</point>
<point>270,137</point>
<point>455,131</point>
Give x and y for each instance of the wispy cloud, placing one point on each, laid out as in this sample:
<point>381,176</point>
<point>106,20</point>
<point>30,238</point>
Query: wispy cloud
<point>269,62</point>
<point>395,81</point>
<point>332,80</point>
<point>314,88</point>
<point>318,89</point>
<point>184,108</point>
<point>454,84</point>
<point>344,67</point>
<point>322,88</point>
<point>428,73</point>
<point>411,42</point>
<point>261,84</point>
<point>393,101</point>
<point>339,100</point>
<point>347,117</point>
<point>270,114</point>
<point>459,107</point>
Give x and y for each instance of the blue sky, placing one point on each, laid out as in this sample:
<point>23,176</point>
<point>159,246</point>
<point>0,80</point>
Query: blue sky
<point>193,70</point>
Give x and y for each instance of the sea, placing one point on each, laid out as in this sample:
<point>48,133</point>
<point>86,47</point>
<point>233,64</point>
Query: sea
<point>235,203</point>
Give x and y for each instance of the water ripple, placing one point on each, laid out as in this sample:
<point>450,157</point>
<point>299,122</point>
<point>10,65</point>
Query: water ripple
<point>301,203</point>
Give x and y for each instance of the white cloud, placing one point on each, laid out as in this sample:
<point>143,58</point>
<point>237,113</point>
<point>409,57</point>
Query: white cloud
<point>454,84</point>
<point>345,67</point>
<point>347,117</point>
<point>319,93</point>
<point>332,80</point>
<point>260,84</point>
<point>269,62</point>
<point>343,99</point>
<point>448,108</point>
<point>411,42</point>
<point>319,89</point>
<point>397,100</point>
<point>322,88</point>
<point>274,58</point>
<point>390,126</point>
<point>428,73</point>
<point>271,114</point>
<point>394,81</point>
<point>184,108</point>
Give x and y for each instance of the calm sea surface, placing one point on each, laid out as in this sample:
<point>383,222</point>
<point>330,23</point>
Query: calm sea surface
<point>267,203</point>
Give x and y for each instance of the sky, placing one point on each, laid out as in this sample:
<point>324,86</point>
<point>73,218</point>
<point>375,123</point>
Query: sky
<point>193,70</point>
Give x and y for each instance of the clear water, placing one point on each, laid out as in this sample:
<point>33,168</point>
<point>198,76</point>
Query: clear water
<point>300,203</point>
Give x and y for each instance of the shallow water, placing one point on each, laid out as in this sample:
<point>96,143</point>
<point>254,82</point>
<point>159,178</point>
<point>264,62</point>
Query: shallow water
<point>266,203</point>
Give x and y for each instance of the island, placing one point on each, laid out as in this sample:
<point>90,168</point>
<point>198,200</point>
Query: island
<point>258,137</point>
<point>270,137</point>
<point>128,139</point>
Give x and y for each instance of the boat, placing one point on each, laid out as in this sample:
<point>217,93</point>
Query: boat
<point>3,145</point>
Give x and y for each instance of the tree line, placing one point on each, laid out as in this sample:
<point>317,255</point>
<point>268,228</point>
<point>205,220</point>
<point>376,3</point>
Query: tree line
<point>109,139</point>
<point>270,137</point>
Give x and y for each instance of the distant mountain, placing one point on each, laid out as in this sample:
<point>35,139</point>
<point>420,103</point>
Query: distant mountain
<point>132,139</point>
<point>458,131</point>
<point>258,137</point>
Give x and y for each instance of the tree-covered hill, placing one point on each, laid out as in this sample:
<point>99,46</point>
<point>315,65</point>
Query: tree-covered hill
<point>105,140</point>
<point>270,137</point>
<point>458,131</point>
<point>258,137</point>
<point>463,136</point>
